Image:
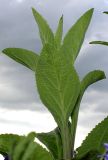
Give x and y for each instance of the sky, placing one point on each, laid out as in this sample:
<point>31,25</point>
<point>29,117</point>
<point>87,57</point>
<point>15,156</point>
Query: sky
<point>21,109</point>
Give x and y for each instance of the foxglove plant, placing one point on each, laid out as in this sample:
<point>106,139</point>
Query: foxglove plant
<point>61,91</point>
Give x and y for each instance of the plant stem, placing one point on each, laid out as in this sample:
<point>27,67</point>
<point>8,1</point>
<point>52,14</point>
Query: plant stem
<point>66,142</point>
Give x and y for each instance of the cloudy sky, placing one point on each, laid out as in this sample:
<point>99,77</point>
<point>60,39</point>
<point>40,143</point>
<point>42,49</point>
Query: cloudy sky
<point>21,110</point>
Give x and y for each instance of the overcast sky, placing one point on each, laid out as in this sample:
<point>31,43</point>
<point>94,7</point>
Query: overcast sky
<point>21,110</point>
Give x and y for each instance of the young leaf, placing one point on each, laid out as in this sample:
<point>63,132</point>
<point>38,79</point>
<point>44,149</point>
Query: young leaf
<point>6,141</point>
<point>99,42</point>
<point>52,140</point>
<point>59,32</point>
<point>75,36</point>
<point>46,33</point>
<point>95,139</point>
<point>23,56</point>
<point>58,84</point>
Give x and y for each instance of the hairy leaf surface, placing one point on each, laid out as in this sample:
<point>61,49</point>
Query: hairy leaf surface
<point>23,56</point>
<point>75,37</point>
<point>58,84</point>
<point>46,33</point>
<point>95,139</point>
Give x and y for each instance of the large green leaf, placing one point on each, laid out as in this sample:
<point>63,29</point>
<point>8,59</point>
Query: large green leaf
<point>23,56</point>
<point>95,139</point>
<point>6,141</point>
<point>59,32</point>
<point>89,79</point>
<point>58,83</point>
<point>46,34</point>
<point>75,37</point>
<point>27,149</point>
<point>52,140</point>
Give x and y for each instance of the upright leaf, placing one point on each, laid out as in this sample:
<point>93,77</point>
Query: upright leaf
<point>75,37</point>
<point>89,79</point>
<point>95,139</point>
<point>52,140</point>
<point>23,56</point>
<point>59,32</point>
<point>58,84</point>
<point>46,33</point>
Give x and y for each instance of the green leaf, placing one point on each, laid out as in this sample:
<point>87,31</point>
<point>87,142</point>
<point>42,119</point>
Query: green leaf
<point>105,12</point>
<point>89,79</point>
<point>46,33</point>
<point>99,42</point>
<point>91,155</point>
<point>75,37</point>
<point>59,32</point>
<point>58,84</point>
<point>52,140</point>
<point>23,56</point>
<point>95,139</point>
<point>6,141</point>
<point>27,149</point>
<point>20,147</point>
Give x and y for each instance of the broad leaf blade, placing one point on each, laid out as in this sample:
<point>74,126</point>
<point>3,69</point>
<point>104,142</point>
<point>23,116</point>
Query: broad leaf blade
<point>58,83</point>
<point>59,32</point>
<point>23,56</point>
<point>75,36</point>
<point>46,34</point>
<point>99,42</point>
<point>95,139</point>
<point>53,142</point>
<point>6,141</point>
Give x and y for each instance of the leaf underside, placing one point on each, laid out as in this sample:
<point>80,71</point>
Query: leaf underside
<point>57,82</point>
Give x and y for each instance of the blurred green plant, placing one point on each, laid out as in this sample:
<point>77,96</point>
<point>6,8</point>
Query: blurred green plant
<point>61,91</point>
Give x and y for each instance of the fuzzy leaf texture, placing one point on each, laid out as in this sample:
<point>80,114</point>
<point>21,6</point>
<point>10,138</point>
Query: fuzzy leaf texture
<point>27,149</point>
<point>58,83</point>
<point>52,140</point>
<point>75,37</point>
<point>6,141</point>
<point>46,33</point>
<point>95,139</point>
<point>23,56</point>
